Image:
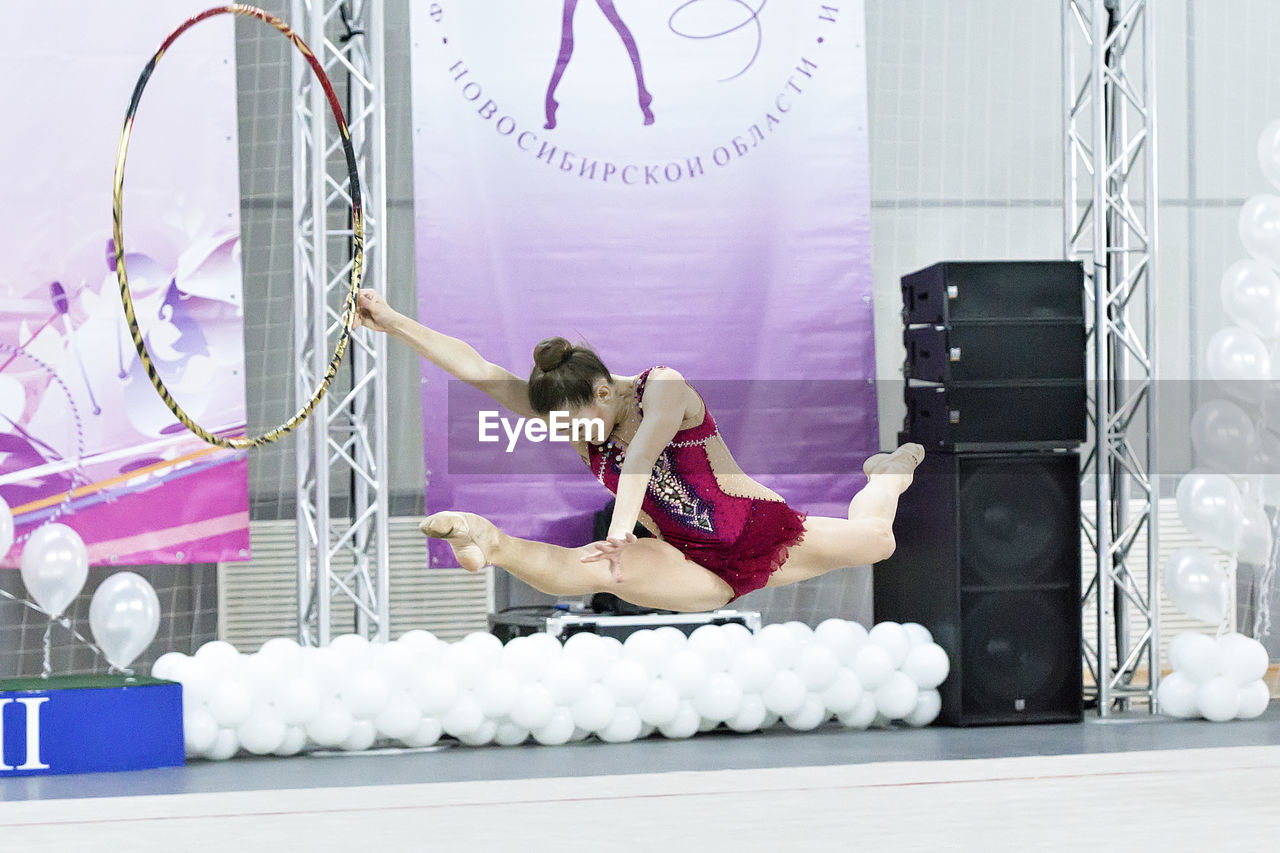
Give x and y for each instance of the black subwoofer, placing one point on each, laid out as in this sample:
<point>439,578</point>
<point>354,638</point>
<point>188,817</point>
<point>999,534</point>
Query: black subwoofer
<point>988,557</point>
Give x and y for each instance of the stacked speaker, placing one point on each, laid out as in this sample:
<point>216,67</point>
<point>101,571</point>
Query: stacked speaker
<point>988,535</point>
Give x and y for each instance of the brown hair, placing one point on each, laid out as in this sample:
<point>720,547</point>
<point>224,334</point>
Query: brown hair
<point>563,376</point>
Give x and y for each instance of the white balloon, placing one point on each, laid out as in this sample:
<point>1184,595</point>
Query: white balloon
<point>295,740</point>
<point>811,714</point>
<point>624,728</point>
<point>420,641</point>
<point>684,724</point>
<point>1196,585</point>
<point>627,680</point>
<point>595,709</point>
<point>1259,226</point>
<point>1218,699</point>
<point>897,696</point>
<point>284,650</point>
<point>483,736</point>
<point>1240,362</point>
<point>198,683</point>
<point>509,734</point>
<point>534,707</point>
<point>753,668</point>
<point>647,649</point>
<point>1224,436</point>
<point>499,692</point>
<point>231,703</point>
<point>785,694</point>
<point>1269,152</point>
<point>1254,699</point>
<point>862,715</point>
<point>169,666</point>
<point>1197,656</point>
<point>55,564</point>
<point>435,690</point>
<point>917,634</point>
<point>660,704</point>
<point>298,701</point>
<point>428,733</point>
<point>1251,297</point>
<point>224,746</point>
<point>873,666</point>
<point>713,646</point>
<point>817,667</point>
<point>780,643</point>
<point>927,666</point>
<point>672,637</point>
<point>891,637</point>
<point>489,646</point>
<point>800,630</point>
<point>566,679</point>
<point>398,664</point>
<point>751,714</point>
<point>363,734</point>
<point>332,725</point>
<point>686,672</point>
<point>928,706</point>
<point>467,663</point>
<point>263,732</point>
<point>465,717</point>
<point>522,657</point>
<point>199,731</point>
<point>739,636</point>
<point>1177,696</point>
<point>844,694</point>
<point>353,649</point>
<point>719,698</point>
<point>1210,506</point>
<point>842,637</point>
<point>400,718</point>
<point>365,693</point>
<point>588,650</point>
<point>1241,659</point>
<point>557,730</point>
<point>1255,534</point>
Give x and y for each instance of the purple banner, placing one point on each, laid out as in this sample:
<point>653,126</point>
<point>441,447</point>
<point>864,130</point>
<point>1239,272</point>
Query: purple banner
<point>84,437</point>
<point>677,183</point>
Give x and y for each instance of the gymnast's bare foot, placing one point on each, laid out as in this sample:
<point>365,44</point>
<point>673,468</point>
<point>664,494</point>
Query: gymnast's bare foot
<point>901,463</point>
<point>472,537</point>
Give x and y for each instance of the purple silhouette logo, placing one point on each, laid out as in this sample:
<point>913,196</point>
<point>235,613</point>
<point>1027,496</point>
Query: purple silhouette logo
<point>566,51</point>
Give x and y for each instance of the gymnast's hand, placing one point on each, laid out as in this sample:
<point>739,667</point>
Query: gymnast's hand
<point>373,312</point>
<point>610,549</point>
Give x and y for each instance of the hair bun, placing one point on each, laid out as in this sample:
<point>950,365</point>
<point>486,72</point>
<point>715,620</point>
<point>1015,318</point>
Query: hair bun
<point>552,353</point>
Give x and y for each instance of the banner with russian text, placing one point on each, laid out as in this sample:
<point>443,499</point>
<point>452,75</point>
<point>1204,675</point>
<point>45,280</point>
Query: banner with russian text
<point>84,437</point>
<point>680,183</point>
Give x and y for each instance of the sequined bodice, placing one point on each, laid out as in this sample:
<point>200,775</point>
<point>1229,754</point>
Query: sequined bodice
<point>683,498</point>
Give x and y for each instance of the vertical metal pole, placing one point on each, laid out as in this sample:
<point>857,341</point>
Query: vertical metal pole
<point>1102,368</point>
<point>1152,221</point>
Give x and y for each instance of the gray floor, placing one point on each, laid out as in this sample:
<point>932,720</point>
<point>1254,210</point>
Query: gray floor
<point>830,745</point>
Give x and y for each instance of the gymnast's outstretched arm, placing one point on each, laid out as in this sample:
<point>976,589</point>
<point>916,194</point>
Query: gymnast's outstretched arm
<point>448,353</point>
<point>665,401</point>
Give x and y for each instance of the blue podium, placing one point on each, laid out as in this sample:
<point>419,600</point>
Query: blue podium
<point>89,724</point>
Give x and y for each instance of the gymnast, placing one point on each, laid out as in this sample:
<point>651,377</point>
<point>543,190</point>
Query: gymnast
<point>718,533</point>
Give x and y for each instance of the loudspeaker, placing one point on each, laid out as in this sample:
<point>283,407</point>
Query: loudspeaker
<point>1008,415</point>
<point>995,355</point>
<point>958,291</point>
<point>988,558</point>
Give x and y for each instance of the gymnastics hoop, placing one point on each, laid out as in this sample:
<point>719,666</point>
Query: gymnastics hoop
<point>357,232</point>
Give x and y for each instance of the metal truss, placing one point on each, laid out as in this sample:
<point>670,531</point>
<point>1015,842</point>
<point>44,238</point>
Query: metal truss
<point>1110,206</point>
<point>342,448</point>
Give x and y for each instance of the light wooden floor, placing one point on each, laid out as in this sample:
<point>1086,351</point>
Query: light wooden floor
<point>1223,799</point>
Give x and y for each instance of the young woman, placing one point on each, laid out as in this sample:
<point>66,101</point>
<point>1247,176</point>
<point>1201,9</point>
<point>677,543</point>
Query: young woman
<point>718,533</point>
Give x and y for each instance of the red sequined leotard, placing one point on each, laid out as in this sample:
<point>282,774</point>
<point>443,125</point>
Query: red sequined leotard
<point>743,538</point>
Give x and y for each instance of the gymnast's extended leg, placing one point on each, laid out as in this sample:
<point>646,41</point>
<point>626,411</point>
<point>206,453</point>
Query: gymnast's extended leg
<point>866,536</point>
<point>654,574</point>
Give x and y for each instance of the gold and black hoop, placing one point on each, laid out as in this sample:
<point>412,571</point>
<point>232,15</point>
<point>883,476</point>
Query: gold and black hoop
<point>357,231</point>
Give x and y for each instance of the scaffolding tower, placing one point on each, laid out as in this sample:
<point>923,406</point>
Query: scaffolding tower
<point>1110,209</point>
<point>342,479</point>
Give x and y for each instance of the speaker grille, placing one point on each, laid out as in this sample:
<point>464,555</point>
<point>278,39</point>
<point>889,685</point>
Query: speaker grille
<point>1014,656</point>
<point>1016,524</point>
